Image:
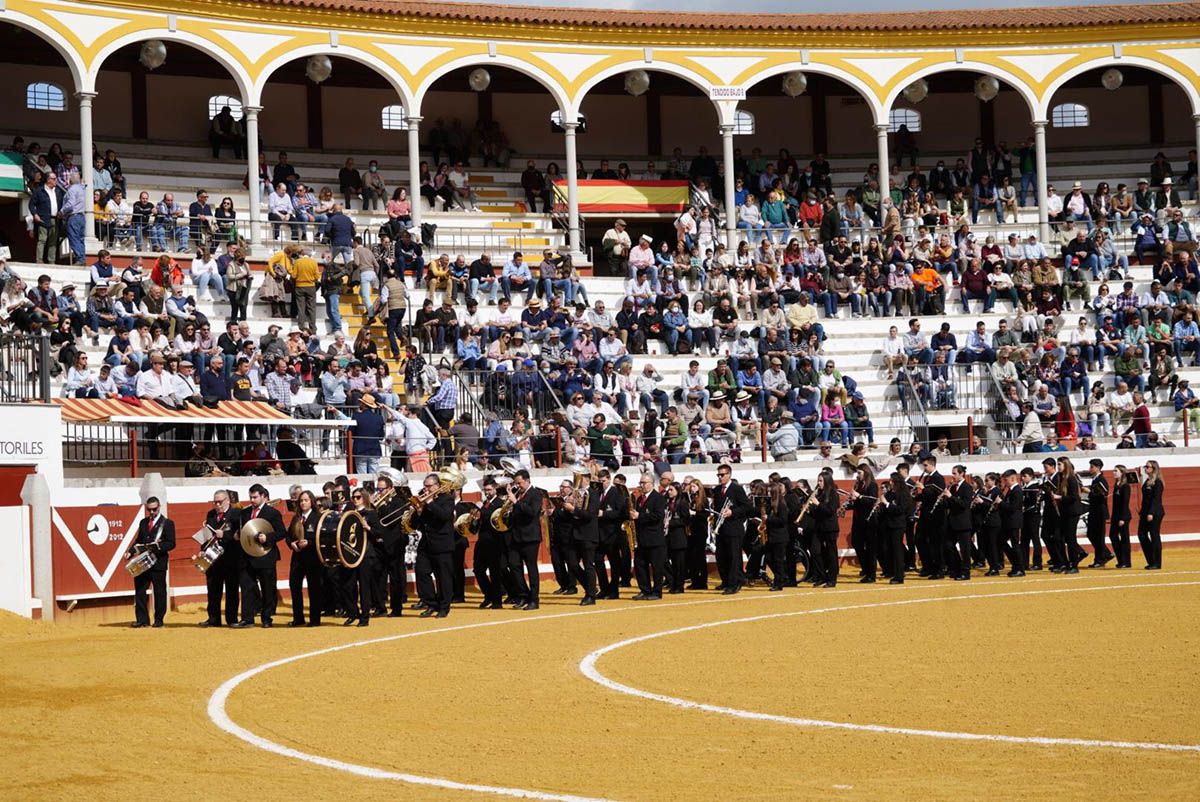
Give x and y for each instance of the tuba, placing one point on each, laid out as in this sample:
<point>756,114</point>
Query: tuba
<point>449,478</point>
<point>499,516</point>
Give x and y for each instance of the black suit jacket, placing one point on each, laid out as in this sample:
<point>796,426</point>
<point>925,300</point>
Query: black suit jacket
<point>1152,494</point>
<point>436,523</point>
<point>278,533</point>
<point>226,525</point>
<point>585,519</point>
<point>39,204</point>
<point>166,541</point>
<point>1120,504</point>
<point>1012,509</point>
<point>613,509</point>
<point>651,510</point>
<point>959,503</point>
<point>526,516</point>
<point>1098,500</point>
<point>308,554</point>
<point>740,510</point>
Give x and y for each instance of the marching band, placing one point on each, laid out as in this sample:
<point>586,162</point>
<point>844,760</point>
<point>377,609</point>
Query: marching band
<point>351,547</point>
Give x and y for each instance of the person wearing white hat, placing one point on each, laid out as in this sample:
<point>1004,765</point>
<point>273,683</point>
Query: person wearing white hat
<point>641,258</point>
<point>1078,206</point>
<point>1167,199</point>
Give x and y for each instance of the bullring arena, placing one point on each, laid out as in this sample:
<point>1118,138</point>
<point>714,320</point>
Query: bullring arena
<point>541,361</point>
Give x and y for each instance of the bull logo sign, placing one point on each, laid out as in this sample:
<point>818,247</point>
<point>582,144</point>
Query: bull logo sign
<point>90,546</point>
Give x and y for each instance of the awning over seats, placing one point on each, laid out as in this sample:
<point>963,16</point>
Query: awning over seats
<point>606,196</point>
<point>112,410</point>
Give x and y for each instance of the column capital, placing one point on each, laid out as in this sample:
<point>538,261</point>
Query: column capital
<point>251,111</point>
<point>85,98</point>
<point>413,120</point>
<point>1040,123</point>
<point>1196,118</point>
<point>881,128</point>
<point>726,129</point>
<point>569,127</point>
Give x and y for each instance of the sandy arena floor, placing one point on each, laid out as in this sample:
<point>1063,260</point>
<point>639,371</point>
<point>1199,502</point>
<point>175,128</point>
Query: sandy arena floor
<point>499,699</point>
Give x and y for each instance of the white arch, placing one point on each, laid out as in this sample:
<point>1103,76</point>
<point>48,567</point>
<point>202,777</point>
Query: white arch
<point>235,69</point>
<point>352,53</point>
<point>54,39</point>
<point>1124,61</point>
<point>851,80</point>
<point>499,60</point>
<point>725,109</point>
<point>1007,77</point>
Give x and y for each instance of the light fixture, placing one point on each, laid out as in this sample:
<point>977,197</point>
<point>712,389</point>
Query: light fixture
<point>917,91</point>
<point>794,83</point>
<point>637,82</point>
<point>479,79</point>
<point>1112,79</point>
<point>318,68</point>
<point>986,88</point>
<point>153,54</point>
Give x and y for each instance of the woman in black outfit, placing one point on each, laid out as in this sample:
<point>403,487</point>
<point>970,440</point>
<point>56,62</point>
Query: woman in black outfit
<point>778,534</point>
<point>825,514</point>
<point>864,535</point>
<point>807,528</point>
<point>1069,496</point>
<point>678,526</point>
<point>1150,516</point>
<point>697,541</point>
<point>1118,529</point>
<point>989,531</point>
<point>302,541</point>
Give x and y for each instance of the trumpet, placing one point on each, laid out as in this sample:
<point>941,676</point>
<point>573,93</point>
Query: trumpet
<point>383,497</point>
<point>449,478</point>
<point>499,517</point>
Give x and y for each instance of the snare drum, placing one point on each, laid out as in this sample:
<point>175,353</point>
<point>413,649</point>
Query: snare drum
<point>141,562</point>
<point>209,554</point>
<point>341,538</point>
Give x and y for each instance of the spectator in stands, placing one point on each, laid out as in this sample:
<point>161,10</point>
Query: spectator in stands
<point>1139,425</point>
<point>45,206</point>
<point>202,223</point>
<point>374,190</point>
<point>282,209</point>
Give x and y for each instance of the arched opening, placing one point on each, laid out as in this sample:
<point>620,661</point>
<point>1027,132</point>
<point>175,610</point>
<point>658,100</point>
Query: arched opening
<point>1116,117</point>
<point>45,96</point>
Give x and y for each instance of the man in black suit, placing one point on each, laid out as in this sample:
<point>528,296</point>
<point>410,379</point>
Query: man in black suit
<point>490,551</point>
<point>525,522</point>
<point>958,498</point>
<point>1097,522</point>
<point>650,557</point>
<point>732,529</point>
<point>1050,517</point>
<point>562,542</point>
<point>155,534</point>
<point>1031,520</point>
<point>390,582</point>
<point>612,511</point>
<point>258,573</point>
<point>435,551</point>
<point>224,575</point>
<point>1012,517</point>
<point>930,530</point>
<point>45,206</point>
<point>585,537</point>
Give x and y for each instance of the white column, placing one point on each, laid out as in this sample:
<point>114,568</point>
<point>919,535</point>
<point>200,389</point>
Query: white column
<point>1039,145</point>
<point>414,171</point>
<point>885,170</point>
<point>572,193</point>
<point>87,171</point>
<point>1196,121</point>
<point>254,185</point>
<point>730,176</point>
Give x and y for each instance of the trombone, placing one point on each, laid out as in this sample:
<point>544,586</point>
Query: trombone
<point>450,479</point>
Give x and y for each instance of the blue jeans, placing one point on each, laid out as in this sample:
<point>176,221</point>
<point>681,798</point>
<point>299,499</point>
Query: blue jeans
<point>821,430</point>
<point>366,280</point>
<point>651,274</point>
<point>1135,382</point>
<point>366,465</point>
<point>562,285</point>
<point>507,285</point>
<point>333,315</point>
<point>1182,347</point>
<point>76,231</point>
<point>344,251</point>
<point>868,428</point>
<point>924,356</point>
<point>212,280</point>
<point>769,227</point>
<point>673,338</point>
<point>754,233</point>
<point>1068,384</point>
<point>1028,186</point>
<point>491,285</point>
<point>1080,218</point>
<point>1107,264</point>
<point>881,304</point>
<point>658,397</point>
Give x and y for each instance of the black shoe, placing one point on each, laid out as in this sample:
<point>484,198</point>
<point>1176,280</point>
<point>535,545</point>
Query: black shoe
<point>1153,567</point>
<point>729,591</point>
<point>511,600</point>
<point>830,584</point>
<point>441,614</point>
<point>241,625</point>
<point>418,606</point>
<point>139,624</point>
<point>675,591</point>
<point>558,592</point>
<point>1015,572</point>
<point>1106,559</point>
<point>587,601</point>
<point>531,606</point>
<point>720,586</point>
<point>397,613</point>
<point>775,588</point>
<point>520,605</point>
<point>265,625</point>
<point>349,622</point>
<point>295,623</point>
<point>157,624</point>
<point>614,595</point>
<point>1074,569</point>
<point>655,597</point>
<point>961,577</point>
<point>896,581</point>
<point>458,600</point>
<point>428,612</point>
<point>313,624</point>
<point>867,580</point>
<point>571,592</point>
<point>485,604</point>
<point>207,623</point>
<point>379,612</point>
<point>937,576</point>
<point>626,583</point>
<point>644,596</point>
<point>993,572</point>
<point>1035,567</point>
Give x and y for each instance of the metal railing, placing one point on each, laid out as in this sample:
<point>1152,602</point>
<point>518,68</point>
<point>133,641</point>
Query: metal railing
<point>913,405</point>
<point>25,361</point>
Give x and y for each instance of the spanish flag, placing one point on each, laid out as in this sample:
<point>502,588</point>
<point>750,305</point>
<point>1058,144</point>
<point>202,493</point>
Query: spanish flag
<point>626,196</point>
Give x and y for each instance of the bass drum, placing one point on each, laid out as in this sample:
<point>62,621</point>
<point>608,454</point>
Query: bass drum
<point>341,539</point>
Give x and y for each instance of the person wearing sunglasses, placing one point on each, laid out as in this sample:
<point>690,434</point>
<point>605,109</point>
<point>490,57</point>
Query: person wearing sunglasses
<point>155,534</point>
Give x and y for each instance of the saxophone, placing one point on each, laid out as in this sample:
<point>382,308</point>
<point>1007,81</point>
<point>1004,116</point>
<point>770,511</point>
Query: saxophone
<point>762,520</point>
<point>629,526</point>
